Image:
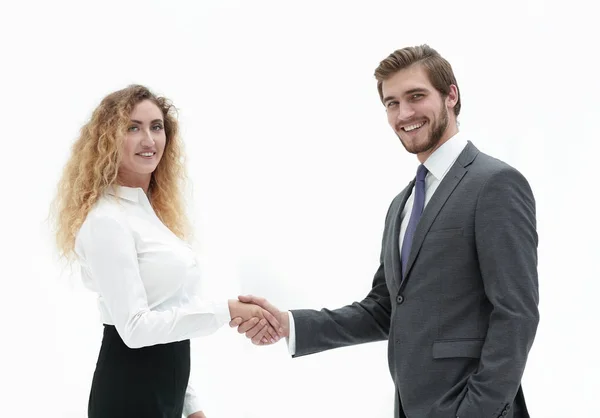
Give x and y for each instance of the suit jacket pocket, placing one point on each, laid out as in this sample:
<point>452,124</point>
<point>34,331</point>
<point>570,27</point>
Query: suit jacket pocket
<point>468,347</point>
<point>444,233</point>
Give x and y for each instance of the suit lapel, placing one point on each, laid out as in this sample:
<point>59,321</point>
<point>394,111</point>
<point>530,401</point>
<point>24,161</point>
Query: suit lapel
<point>397,222</point>
<point>436,203</point>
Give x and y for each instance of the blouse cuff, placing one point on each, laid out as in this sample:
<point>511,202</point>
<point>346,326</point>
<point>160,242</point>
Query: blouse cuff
<point>222,312</point>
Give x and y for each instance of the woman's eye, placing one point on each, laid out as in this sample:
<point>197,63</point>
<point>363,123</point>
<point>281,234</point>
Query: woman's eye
<point>132,129</point>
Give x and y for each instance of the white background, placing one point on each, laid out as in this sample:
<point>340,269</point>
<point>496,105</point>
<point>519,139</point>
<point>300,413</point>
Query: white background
<point>294,167</point>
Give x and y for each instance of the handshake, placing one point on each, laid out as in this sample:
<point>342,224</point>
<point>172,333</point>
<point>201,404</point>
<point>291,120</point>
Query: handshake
<point>262,322</point>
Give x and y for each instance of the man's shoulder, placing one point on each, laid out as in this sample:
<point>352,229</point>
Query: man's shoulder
<point>485,166</point>
<point>492,174</point>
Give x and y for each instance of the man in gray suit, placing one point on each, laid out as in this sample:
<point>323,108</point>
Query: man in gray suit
<point>456,291</point>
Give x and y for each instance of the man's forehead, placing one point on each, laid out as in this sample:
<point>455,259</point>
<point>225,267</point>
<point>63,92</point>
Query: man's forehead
<point>403,88</point>
<point>406,80</point>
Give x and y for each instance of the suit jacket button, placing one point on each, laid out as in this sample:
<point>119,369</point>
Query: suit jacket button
<point>399,299</point>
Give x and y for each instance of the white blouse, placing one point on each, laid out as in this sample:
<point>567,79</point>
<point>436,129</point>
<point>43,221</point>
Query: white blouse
<point>147,279</point>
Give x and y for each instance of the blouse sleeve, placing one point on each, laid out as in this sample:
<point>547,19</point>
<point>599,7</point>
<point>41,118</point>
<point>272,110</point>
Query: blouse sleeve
<point>108,248</point>
<point>191,402</point>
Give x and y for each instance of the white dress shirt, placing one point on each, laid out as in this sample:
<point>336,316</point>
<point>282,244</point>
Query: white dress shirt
<point>438,164</point>
<point>147,279</point>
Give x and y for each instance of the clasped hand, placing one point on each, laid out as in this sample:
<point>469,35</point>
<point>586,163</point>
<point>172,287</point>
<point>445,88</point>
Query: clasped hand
<point>262,322</point>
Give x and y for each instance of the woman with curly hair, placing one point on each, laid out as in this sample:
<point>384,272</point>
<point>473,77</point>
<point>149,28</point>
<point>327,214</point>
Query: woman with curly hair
<point>120,214</point>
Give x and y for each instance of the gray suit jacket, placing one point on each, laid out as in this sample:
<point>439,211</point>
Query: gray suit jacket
<point>461,322</point>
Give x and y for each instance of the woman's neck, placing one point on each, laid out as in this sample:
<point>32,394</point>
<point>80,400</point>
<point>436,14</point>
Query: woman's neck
<point>135,180</point>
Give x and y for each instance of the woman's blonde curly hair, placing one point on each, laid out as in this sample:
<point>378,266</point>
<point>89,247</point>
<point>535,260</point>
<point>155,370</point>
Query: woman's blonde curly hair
<point>94,164</point>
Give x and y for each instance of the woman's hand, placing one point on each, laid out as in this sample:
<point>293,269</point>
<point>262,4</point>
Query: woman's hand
<point>250,327</point>
<point>271,328</point>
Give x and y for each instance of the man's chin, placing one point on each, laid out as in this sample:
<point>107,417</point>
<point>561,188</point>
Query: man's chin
<point>416,148</point>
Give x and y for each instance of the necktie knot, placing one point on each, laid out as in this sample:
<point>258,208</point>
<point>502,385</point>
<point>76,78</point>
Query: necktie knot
<point>421,173</point>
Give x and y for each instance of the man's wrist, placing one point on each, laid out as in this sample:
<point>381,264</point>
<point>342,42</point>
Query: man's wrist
<point>284,321</point>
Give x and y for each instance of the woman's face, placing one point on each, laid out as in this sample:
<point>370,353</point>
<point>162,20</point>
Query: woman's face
<point>144,145</point>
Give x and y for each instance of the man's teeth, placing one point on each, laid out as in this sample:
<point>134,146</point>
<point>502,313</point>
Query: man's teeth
<point>413,127</point>
<point>146,154</point>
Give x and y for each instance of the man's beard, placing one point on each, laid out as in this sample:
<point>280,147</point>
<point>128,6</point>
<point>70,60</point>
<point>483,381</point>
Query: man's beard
<point>435,135</point>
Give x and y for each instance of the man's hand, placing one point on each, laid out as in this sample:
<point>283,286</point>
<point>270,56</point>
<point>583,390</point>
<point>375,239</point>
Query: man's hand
<point>198,414</point>
<point>270,329</point>
<point>253,328</point>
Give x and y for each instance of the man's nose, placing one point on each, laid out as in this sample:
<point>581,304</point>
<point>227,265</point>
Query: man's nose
<point>405,112</point>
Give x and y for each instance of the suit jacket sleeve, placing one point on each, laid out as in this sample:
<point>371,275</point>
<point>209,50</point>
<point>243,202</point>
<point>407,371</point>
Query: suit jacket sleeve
<point>360,322</point>
<point>506,242</point>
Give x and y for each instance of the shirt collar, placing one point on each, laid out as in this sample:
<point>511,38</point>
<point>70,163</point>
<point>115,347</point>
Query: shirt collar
<point>128,193</point>
<point>442,158</point>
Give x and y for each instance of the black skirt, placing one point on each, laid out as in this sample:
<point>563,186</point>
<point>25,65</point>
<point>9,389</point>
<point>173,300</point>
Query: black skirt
<point>147,382</point>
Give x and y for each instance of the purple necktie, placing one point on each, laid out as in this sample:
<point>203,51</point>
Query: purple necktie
<point>415,215</point>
